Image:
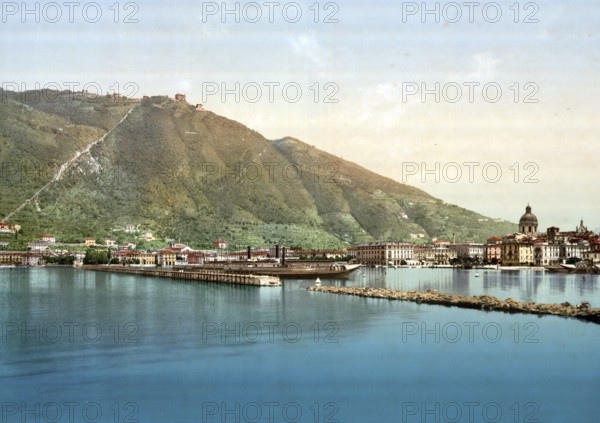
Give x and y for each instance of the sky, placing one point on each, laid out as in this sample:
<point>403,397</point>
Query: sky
<point>488,105</point>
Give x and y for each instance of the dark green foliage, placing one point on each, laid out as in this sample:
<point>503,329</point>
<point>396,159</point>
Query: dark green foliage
<point>195,177</point>
<point>64,260</point>
<point>96,257</point>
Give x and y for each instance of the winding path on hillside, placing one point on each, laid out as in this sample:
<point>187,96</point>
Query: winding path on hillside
<point>65,166</point>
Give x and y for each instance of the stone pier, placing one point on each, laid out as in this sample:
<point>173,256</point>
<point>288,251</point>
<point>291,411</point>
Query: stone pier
<point>581,311</point>
<point>200,275</point>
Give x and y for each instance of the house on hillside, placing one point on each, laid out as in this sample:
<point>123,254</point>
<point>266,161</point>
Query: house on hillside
<point>38,246</point>
<point>49,238</point>
<point>5,228</point>
<point>220,244</point>
<point>180,97</point>
<point>89,242</point>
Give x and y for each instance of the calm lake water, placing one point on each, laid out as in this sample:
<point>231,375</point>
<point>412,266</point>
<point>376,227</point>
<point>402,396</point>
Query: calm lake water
<point>82,346</point>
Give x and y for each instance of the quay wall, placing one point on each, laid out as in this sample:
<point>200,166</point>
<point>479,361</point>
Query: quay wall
<point>200,275</point>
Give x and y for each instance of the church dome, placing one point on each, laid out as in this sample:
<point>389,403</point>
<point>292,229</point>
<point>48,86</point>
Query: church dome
<point>528,219</point>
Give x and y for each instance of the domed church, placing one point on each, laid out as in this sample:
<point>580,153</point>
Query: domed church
<point>528,223</point>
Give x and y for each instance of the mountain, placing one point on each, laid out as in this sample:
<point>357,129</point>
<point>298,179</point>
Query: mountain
<point>79,165</point>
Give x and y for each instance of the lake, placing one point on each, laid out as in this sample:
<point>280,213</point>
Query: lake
<point>88,346</point>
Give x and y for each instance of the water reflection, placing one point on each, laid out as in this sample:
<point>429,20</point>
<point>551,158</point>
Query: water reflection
<point>523,285</point>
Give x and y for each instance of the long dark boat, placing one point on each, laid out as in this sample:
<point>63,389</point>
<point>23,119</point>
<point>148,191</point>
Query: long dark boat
<point>296,270</point>
<point>580,268</point>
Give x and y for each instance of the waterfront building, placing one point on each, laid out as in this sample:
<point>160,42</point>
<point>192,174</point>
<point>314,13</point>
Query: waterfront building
<point>195,258</point>
<point>469,250</point>
<point>517,250</point>
<point>573,249</point>
<point>493,250</point>
<point>545,253</point>
<point>593,254</point>
<point>166,257</point>
<point>384,253</point>
<point>143,258</point>
<point>352,252</point>
<point>21,258</point>
<point>431,255</point>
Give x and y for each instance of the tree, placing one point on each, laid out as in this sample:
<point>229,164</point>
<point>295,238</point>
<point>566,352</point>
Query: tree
<point>96,257</point>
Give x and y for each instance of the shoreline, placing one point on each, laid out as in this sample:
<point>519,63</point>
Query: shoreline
<point>482,302</point>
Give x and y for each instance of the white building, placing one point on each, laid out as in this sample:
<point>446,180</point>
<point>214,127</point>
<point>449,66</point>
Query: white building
<point>573,250</point>
<point>545,254</point>
<point>49,238</point>
<point>384,253</point>
<point>470,250</point>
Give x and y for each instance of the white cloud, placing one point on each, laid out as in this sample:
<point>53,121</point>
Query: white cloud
<point>308,47</point>
<point>483,67</point>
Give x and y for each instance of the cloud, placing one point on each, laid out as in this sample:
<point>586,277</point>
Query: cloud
<point>308,47</point>
<point>483,66</point>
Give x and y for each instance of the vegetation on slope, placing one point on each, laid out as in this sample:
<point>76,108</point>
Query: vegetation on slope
<point>196,176</point>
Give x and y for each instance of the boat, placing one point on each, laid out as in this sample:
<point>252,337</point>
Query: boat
<point>318,282</point>
<point>580,268</point>
<point>297,270</point>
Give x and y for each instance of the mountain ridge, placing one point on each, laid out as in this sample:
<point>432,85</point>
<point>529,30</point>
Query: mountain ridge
<point>197,176</point>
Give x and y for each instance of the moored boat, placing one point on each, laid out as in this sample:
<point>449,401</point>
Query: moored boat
<point>297,270</point>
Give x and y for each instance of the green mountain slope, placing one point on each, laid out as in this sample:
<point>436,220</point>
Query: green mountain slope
<point>196,176</point>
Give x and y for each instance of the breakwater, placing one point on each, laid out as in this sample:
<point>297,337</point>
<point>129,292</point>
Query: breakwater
<point>200,275</point>
<point>581,311</point>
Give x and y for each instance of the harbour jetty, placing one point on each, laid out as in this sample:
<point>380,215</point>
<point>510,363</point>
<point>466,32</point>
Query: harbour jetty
<point>581,311</point>
<point>200,275</point>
